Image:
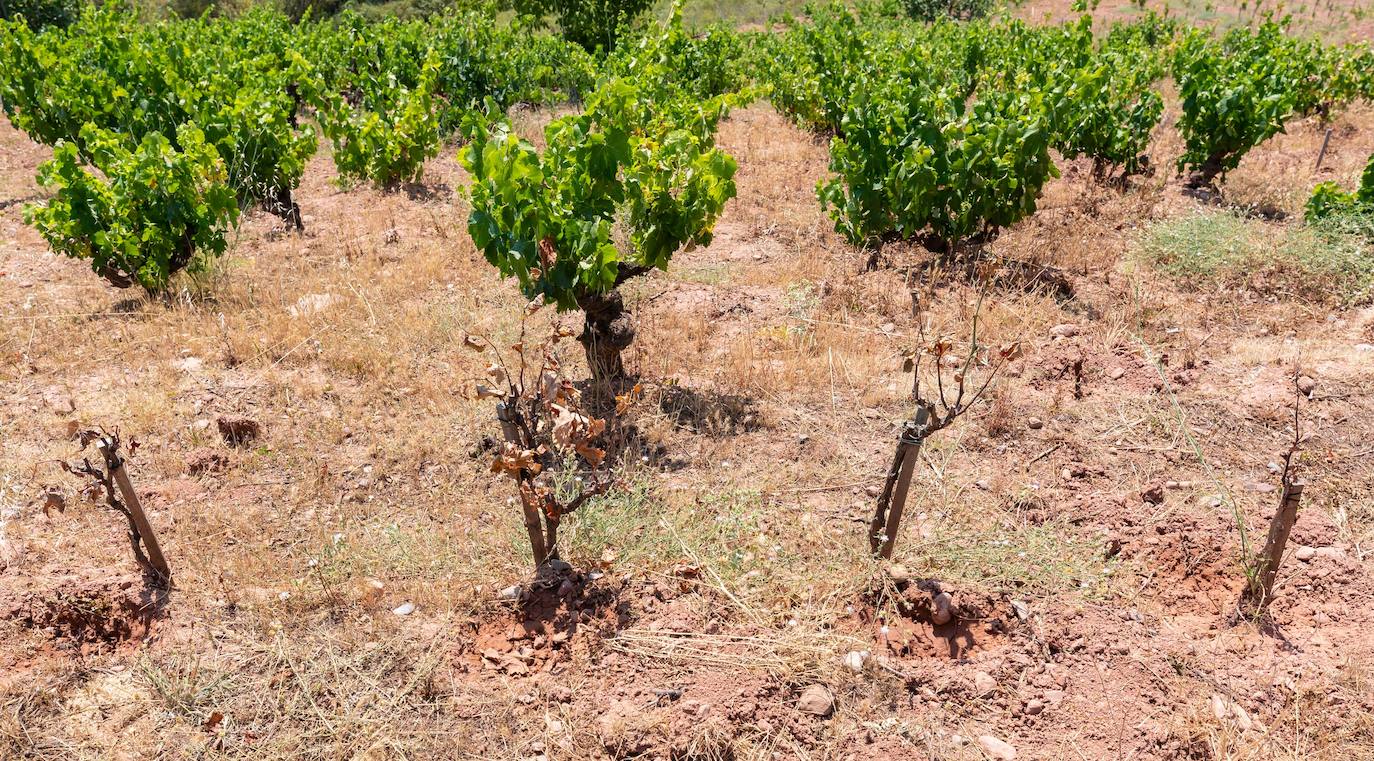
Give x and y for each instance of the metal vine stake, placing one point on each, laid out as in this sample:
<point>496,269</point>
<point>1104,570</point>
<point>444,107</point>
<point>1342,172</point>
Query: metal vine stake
<point>952,398</point>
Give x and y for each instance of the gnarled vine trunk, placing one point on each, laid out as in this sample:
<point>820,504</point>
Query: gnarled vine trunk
<point>607,332</point>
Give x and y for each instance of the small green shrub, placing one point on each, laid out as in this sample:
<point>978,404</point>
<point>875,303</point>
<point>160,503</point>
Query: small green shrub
<point>1328,200</point>
<point>41,13</point>
<point>590,23</point>
<point>389,144</point>
<point>150,213</point>
<point>930,10</point>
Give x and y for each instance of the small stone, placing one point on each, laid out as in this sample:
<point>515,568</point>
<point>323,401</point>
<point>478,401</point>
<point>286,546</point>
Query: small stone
<point>854,660</point>
<point>511,592</point>
<point>1116,373</point>
<point>1306,385</point>
<point>1064,330</point>
<point>1034,707</point>
<point>997,749</point>
<point>1219,707</point>
<point>189,364</point>
<point>1054,697</point>
<point>983,684</point>
<point>312,303</point>
<point>1035,423</point>
<point>1305,554</point>
<point>817,701</point>
<point>898,572</point>
<point>940,613</point>
<point>404,609</point>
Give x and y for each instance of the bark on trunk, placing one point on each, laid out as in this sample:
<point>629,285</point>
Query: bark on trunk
<point>1261,588</point>
<point>282,203</point>
<point>606,333</point>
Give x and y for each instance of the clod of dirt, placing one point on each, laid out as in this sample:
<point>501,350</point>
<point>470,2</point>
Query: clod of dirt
<point>369,592</point>
<point>238,431</point>
<point>1154,495</point>
<point>1306,385</point>
<point>983,684</point>
<point>205,460</point>
<point>817,701</point>
<point>544,625</point>
<point>1066,330</point>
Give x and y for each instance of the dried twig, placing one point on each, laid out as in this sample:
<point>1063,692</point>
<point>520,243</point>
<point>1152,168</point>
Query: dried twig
<point>550,442</point>
<point>952,399</point>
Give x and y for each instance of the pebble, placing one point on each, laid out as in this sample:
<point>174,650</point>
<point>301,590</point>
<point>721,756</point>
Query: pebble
<point>983,684</point>
<point>1034,707</point>
<point>511,592</point>
<point>1305,554</point>
<point>1116,373</point>
<point>898,572</point>
<point>817,701</point>
<point>997,749</point>
<point>404,609</point>
<point>1306,385</point>
<point>1035,423</point>
<point>940,613</point>
<point>854,660</point>
<point>1065,330</point>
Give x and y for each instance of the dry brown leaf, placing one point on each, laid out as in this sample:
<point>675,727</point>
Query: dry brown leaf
<point>53,500</point>
<point>513,460</point>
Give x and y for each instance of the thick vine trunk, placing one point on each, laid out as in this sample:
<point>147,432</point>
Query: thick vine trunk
<point>1206,174</point>
<point>282,203</point>
<point>606,333</point>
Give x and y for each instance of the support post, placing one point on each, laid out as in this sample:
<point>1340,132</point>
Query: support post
<point>115,464</point>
